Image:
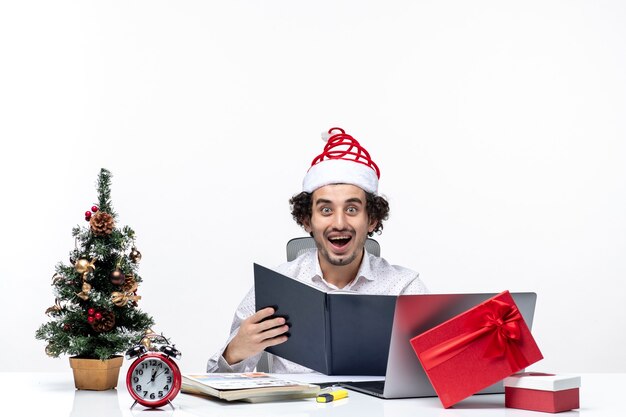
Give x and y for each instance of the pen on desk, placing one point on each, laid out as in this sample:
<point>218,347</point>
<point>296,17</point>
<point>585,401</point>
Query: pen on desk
<point>332,396</point>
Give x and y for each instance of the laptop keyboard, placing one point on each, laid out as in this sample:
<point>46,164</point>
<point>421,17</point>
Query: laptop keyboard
<point>372,386</point>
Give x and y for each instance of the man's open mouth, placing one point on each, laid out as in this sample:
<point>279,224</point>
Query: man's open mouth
<point>340,241</point>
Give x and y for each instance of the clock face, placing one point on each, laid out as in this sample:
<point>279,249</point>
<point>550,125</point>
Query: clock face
<point>153,380</point>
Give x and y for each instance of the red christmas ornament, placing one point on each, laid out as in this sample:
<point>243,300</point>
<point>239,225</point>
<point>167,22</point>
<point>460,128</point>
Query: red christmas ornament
<point>94,208</point>
<point>90,319</point>
<point>91,311</point>
<point>98,316</point>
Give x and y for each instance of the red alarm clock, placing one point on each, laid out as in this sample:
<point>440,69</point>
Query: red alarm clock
<point>153,379</point>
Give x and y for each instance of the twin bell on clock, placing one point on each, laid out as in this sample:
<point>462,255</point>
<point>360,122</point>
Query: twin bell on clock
<point>153,379</point>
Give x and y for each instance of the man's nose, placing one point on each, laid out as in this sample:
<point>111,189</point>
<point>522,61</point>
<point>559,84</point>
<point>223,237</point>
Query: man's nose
<point>339,220</point>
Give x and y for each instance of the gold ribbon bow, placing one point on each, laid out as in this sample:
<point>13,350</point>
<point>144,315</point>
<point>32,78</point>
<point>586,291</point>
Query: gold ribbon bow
<point>121,299</point>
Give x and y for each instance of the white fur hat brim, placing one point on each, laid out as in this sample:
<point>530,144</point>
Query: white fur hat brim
<point>340,171</point>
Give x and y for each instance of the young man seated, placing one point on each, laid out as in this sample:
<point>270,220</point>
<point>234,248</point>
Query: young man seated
<point>339,207</point>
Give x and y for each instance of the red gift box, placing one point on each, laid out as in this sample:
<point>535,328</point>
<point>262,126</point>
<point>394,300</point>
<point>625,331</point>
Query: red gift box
<point>542,392</point>
<point>476,349</point>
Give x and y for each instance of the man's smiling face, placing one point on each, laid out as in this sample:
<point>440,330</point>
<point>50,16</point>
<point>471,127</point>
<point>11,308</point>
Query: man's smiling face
<point>339,223</point>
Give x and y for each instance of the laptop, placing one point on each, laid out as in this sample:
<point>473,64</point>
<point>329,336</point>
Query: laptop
<point>414,314</point>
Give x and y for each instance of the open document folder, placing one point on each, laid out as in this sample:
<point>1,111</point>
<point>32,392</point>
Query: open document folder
<point>332,333</point>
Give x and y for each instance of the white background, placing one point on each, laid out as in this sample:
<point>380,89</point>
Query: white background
<point>498,126</point>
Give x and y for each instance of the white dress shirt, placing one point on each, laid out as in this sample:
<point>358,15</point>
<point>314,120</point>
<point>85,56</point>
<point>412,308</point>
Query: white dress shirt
<point>375,276</point>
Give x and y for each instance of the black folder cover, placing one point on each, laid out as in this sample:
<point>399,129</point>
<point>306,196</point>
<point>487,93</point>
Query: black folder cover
<point>332,333</point>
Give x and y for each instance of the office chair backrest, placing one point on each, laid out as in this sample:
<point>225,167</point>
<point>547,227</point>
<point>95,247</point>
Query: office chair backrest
<point>298,245</point>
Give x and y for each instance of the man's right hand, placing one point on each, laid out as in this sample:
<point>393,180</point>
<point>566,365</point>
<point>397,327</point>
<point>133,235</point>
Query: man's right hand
<point>255,335</point>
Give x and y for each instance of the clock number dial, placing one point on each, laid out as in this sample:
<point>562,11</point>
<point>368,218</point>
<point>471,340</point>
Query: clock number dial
<point>153,379</point>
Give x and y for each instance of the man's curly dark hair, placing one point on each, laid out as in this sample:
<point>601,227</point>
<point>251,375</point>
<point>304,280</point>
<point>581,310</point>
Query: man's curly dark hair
<point>376,206</point>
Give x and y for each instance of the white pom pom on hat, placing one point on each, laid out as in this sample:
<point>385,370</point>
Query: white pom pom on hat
<point>327,135</point>
<point>343,161</point>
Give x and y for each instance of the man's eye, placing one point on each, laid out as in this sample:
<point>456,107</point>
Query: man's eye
<point>352,210</point>
<point>326,210</point>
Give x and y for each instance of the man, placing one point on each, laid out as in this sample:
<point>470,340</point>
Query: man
<point>339,207</point>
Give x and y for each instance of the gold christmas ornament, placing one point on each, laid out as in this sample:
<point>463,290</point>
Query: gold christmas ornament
<point>101,224</point>
<point>146,342</point>
<point>149,336</point>
<point>84,294</point>
<point>135,255</point>
<point>49,351</point>
<point>83,265</point>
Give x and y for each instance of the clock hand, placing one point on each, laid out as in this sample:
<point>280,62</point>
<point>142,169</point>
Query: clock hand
<point>153,376</point>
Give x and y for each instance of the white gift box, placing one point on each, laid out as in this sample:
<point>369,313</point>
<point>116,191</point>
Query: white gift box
<point>542,392</point>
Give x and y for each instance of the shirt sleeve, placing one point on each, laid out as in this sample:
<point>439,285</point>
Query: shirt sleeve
<point>217,363</point>
<point>416,286</point>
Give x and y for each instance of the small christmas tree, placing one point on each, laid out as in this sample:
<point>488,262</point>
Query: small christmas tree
<point>95,313</point>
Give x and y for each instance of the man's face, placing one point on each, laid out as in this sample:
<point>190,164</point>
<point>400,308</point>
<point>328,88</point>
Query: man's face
<point>339,223</point>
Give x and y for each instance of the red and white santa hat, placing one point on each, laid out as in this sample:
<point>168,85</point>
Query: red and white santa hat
<point>343,161</point>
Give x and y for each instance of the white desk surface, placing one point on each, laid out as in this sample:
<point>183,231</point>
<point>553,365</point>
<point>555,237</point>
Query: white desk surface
<point>53,394</point>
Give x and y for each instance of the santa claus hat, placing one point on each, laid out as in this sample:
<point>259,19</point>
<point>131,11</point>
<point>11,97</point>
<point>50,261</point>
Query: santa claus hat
<point>343,161</point>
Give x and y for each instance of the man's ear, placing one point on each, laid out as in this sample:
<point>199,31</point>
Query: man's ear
<point>306,224</point>
<point>372,226</point>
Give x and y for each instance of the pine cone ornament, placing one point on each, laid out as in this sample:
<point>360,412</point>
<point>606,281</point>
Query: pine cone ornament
<point>101,224</point>
<point>105,323</point>
<point>128,294</point>
<point>130,284</point>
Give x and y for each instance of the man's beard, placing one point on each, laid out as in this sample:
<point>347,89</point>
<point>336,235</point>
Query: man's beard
<point>339,261</point>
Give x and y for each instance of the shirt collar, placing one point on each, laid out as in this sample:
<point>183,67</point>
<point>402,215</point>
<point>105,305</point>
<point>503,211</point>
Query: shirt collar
<point>365,270</point>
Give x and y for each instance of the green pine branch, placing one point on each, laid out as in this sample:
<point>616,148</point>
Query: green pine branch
<point>104,192</point>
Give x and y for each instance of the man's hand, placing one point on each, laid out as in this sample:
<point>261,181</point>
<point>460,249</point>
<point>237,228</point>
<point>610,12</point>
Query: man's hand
<point>255,335</point>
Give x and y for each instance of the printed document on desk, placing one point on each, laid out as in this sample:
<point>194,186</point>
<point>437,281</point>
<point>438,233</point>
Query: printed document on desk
<point>332,333</point>
<point>250,387</point>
